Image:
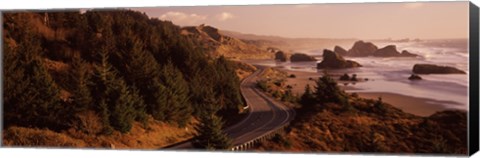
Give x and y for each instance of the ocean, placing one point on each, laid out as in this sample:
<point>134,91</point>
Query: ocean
<point>391,74</point>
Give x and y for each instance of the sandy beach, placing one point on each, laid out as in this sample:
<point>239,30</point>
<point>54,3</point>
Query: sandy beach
<point>413,105</point>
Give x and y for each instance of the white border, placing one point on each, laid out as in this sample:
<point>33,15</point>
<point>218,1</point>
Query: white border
<point>51,4</point>
<point>81,153</point>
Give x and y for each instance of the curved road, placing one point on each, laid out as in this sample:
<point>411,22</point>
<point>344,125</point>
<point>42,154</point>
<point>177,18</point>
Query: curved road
<point>265,115</point>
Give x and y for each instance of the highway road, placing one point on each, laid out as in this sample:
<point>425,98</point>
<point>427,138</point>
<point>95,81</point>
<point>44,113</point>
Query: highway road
<point>264,115</point>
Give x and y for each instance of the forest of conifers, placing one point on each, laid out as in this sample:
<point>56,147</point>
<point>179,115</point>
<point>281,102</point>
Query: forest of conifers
<point>121,65</point>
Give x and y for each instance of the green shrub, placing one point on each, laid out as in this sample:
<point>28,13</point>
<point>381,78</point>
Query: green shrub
<point>262,84</point>
<point>380,106</point>
<point>276,94</point>
<point>355,95</point>
<point>288,96</point>
<point>344,77</point>
<point>354,77</point>
<point>278,83</point>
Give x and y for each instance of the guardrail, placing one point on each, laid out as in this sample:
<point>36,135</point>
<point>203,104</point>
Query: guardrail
<point>267,135</point>
<point>251,143</point>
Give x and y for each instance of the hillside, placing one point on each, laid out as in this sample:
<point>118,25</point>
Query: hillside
<point>110,78</point>
<point>330,120</point>
<point>218,44</point>
<point>333,130</point>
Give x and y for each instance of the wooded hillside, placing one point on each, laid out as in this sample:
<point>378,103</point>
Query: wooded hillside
<point>120,66</point>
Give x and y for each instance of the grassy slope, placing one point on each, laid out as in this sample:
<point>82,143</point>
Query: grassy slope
<point>155,136</point>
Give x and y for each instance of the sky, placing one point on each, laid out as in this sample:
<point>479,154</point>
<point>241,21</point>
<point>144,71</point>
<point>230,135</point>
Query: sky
<point>424,20</point>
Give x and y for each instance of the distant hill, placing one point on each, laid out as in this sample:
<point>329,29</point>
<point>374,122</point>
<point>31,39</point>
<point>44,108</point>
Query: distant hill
<point>218,44</point>
<point>289,45</point>
<point>246,36</point>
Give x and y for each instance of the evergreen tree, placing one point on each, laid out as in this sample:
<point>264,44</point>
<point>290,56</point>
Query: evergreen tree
<point>79,79</point>
<point>36,102</point>
<point>177,101</point>
<point>101,80</point>
<point>139,106</point>
<point>200,88</point>
<point>210,134</point>
<point>141,70</point>
<point>119,104</point>
<point>156,104</point>
<point>14,85</point>
<point>327,90</point>
<point>105,116</point>
<point>307,98</point>
<point>228,85</point>
<point>140,66</point>
<point>123,105</point>
<point>98,35</point>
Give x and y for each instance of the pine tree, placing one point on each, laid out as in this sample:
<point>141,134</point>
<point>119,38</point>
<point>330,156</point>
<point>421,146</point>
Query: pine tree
<point>122,107</point>
<point>141,66</point>
<point>101,81</point>
<point>307,98</point>
<point>98,35</point>
<point>119,104</point>
<point>327,90</point>
<point>14,84</point>
<point>36,102</point>
<point>179,108</point>
<point>320,92</point>
<point>210,134</point>
<point>141,70</point>
<point>139,106</point>
<point>105,116</point>
<point>79,77</point>
<point>228,85</point>
<point>156,101</point>
<point>47,106</point>
<point>200,88</point>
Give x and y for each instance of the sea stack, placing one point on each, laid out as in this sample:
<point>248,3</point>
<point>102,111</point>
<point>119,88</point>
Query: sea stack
<point>414,77</point>
<point>407,54</point>
<point>391,51</point>
<point>340,51</point>
<point>281,56</point>
<point>388,51</point>
<point>435,69</point>
<point>362,49</point>
<point>332,60</point>
<point>300,57</point>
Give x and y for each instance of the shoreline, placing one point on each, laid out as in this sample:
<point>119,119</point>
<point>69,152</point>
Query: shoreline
<point>410,104</point>
<point>413,105</point>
